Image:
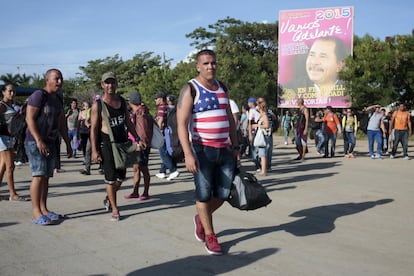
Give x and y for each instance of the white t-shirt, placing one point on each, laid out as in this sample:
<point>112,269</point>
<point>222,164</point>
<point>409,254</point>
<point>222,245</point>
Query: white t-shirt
<point>254,115</point>
<point>233,106</point>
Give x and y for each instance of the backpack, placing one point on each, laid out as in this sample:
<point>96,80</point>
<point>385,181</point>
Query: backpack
<point>172,141</point>
<point>247,193</point>
<point>18,123</point>
<point>143,122</point>
<point>273,121</point>
<point>363,123</point>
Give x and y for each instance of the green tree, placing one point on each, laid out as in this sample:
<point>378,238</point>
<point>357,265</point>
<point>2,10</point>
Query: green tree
<point>379,72</point>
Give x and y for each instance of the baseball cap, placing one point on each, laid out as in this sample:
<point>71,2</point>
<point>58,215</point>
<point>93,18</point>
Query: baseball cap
<point>135,97</point>
<point>170,98</point>
<point>251,100</point>
<point>108,75</point>
<point>159,95</point>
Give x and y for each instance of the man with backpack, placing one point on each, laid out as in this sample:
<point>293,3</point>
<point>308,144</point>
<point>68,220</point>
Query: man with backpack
<point>332,128</point>
<point>45,118</point>
<point>208,119</point>
<point>350,127</point>
<point>161,121</point>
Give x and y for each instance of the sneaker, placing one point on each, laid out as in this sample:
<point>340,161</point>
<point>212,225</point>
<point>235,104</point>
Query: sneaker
<point>372,156</point>
<point>391,156</point>
<point>18,163</point>
<point>286,143</point>
<point>378,156</point>
<point>160,175</point>
<point>406,157</point>
<point>199,229</point>
<point>212,246</point>
<point>59,170</point>
<point>173,175</point>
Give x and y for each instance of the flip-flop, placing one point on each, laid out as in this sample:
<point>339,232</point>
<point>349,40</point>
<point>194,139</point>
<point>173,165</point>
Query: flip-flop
<point>18,198</point>
<point>54,217</point>
<point>144,197</point>
<point>131,196</point>
<point>42,220</point>
<point>115,217</point>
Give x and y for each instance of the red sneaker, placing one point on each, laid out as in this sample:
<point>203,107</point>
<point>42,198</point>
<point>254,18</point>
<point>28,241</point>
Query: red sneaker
<point>199,229</point>
<point>212,246</point>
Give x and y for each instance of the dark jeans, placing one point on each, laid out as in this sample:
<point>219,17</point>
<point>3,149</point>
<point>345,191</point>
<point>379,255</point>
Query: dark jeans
<point>400,136</point>
<point>349,142</point>
<point>332,137</point>
<point>167,162</point>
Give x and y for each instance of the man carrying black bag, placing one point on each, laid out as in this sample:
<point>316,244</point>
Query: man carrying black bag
<point>208,118</point>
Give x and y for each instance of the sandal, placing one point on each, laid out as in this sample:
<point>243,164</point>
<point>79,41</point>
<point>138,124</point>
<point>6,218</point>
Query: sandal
<point>131,196</point>
<point>144,197</point>
<point>115,217</point>
<point>54,217</point>
<point>42,220</point>
<point>17,198</point>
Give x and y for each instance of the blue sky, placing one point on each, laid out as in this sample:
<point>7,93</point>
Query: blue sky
<point>38,35</point>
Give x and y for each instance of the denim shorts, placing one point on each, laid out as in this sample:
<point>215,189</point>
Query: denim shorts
<point>215,172</point>
<point>6,142</point>
<point>40,164</point>
<point>142,157</point>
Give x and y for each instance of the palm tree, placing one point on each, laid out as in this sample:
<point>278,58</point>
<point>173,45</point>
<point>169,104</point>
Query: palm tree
<point>10,78</point>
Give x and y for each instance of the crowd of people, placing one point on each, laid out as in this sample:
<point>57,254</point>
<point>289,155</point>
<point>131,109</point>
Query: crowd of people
<point>213,133</point>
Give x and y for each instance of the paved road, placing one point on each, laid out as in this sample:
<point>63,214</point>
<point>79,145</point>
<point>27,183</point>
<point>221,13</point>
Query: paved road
<point>328,217</point>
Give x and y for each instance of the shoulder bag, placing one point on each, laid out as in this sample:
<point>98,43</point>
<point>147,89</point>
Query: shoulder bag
<point>122,152</point>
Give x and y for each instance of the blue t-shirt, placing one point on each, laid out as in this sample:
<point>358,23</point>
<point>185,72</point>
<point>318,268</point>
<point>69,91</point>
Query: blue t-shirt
<point>47,122</point>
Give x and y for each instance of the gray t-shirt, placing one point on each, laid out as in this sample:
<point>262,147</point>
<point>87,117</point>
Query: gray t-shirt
<point>374,122</point>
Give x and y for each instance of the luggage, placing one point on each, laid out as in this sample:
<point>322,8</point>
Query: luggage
<point>247,193</point>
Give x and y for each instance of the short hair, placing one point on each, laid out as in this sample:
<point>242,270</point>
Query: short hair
<point>341,51</point>
<point>52,70</point>
<point>205,52</point>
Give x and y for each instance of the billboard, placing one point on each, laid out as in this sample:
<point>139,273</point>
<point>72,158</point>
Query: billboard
<point>313,44</point>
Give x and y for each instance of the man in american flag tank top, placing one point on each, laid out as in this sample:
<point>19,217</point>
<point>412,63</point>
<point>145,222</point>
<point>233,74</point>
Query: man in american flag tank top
<point>206,120</point>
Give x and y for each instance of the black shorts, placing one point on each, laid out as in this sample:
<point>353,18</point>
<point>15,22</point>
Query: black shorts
<point>112,175</point>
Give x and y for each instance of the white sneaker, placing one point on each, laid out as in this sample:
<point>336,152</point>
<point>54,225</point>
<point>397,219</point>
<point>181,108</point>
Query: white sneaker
<point>173,175</point>
<point>286,143</point>
<point>406,157</point>
<point>391,156</point>
<point>160,175</point>
<point>18,163</point>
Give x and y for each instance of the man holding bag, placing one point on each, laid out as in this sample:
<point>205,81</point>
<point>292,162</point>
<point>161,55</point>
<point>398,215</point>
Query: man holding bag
<point>118,116</point>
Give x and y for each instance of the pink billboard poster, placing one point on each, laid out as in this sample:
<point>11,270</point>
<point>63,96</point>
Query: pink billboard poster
<point>313,46</point>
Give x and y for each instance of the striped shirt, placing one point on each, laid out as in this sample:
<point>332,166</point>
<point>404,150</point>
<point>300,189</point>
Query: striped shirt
<point>210,123</point>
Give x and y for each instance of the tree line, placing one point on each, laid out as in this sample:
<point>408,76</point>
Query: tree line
<point>378,72</point>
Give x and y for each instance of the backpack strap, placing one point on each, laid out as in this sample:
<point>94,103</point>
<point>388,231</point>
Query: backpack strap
<point>194,91</point>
